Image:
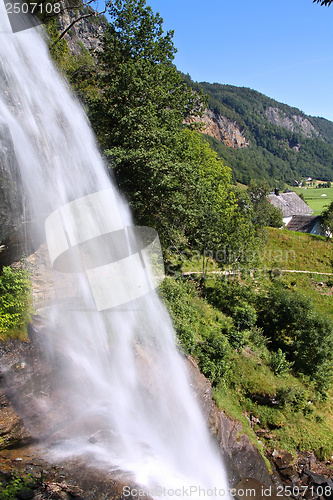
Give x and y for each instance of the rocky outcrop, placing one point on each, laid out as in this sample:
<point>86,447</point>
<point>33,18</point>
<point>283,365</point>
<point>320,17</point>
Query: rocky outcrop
<point>242,459</point>
<point>294,123</point>
<point>12,431</point>
<point>84,33</point>
<point>223,129</point>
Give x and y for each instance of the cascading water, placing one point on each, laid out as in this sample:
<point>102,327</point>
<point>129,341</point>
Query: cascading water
<point>124,377</point>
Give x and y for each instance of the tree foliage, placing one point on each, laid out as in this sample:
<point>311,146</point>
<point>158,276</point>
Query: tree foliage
<point>291,323</point>
<point>15,294</point>
<point>142,104</point>
<point>171,177</point>
<point>323,2</point>
<point>214,217</point>
<point>327,219</point>
<point>265,214</point>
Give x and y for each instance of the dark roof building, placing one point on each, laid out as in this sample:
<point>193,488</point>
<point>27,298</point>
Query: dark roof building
<point>290,204</point>
<point>306,224</point>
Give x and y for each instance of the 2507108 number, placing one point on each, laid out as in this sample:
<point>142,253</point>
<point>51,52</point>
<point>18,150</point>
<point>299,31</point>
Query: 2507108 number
<point>295,491</point>
<point>33,8</point>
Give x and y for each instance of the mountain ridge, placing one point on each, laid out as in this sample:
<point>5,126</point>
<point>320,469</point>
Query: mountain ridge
<point>280,143</point>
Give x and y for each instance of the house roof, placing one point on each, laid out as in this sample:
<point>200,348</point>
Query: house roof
<point>303,223</point>
<point>290,204</point>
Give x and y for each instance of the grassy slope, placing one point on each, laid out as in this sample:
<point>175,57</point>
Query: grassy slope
<point>303,421</point>
<point>292,250</point>
<point>298,251</point>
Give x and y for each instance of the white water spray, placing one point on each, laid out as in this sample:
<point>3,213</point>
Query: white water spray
<point>125,381</point>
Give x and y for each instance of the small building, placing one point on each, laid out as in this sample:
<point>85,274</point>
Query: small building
<point>290,204</point>
<point>297,215</point>
<point>306,224</point>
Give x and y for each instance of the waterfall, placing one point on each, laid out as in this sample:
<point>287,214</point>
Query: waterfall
<point>129,403</point>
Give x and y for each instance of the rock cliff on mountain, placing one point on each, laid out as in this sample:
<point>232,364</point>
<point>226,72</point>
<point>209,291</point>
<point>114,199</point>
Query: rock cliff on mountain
<point>294,123</point>
<point>224,130</point>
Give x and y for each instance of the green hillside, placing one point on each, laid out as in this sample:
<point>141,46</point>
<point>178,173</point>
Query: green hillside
<point>243,331</point>
<point>289,146</point>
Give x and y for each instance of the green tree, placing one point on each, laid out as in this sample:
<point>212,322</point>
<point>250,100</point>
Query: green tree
<point>265,214</point>
<point>171,177</point>
<point>142,105</point>
<point>211,214</point>
<point>323,2</point>
<point>327,220</point>
<point>292,324</point>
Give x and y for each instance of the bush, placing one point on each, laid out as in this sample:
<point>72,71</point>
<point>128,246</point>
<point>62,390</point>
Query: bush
<point>236,338</point>
<point>14,486</point>
<point>298,398</point>
<point>178,296</point>
<point>15,298</point>
<point>291,323</point>
<point>227,296</point>
<point>212,355</point>
<point>201,330</point>
<point>257,337</point>
<point>279,363</point>
<point>244,316</point>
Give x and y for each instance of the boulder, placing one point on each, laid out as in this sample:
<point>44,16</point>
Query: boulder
<point>12,431</point>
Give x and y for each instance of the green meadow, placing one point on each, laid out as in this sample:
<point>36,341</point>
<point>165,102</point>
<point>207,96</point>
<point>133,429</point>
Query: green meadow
<point>315,199</point>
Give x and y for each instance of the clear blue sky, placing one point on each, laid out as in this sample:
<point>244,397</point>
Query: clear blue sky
<point>282,48</point>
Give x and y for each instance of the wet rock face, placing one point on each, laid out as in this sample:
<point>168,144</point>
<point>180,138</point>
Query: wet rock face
<point>29,391</point>
<point>241,458</point>
<point>11,206</point>
<point>304,476</point>
<point>71,479</point>
<point>12,431</point>
<point>31,383</point>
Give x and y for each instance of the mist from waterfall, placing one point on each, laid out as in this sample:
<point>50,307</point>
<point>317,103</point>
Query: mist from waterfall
<point>126,383</point>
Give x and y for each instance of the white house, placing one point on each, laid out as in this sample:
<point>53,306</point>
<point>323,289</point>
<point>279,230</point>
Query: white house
<point>290,204</point>
<point>297,215</point>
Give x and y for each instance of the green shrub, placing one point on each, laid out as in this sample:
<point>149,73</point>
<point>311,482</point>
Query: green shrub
<point>237,339</point>
<point>244,316</point>
<point>16,484</point>
<point>291,323</point>
<point>257,337</point>
<point>15,298</point>
<point>227,295</point>
<point>213,353</point>
<point>201,330</point>
<point>178,296</point>
<point>298,398</point>
<point>279,363</point>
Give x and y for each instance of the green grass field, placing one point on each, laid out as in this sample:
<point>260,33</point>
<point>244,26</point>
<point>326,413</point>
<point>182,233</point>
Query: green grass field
<point>314,198</point>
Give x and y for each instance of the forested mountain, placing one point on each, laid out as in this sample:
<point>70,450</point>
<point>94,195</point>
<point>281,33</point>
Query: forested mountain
<point>260,138</point>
